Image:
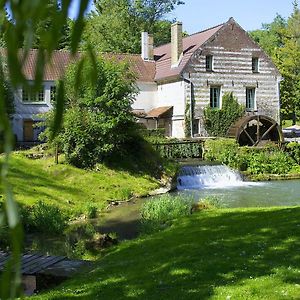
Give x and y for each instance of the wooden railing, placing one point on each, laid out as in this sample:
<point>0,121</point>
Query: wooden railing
<point>180,149</point>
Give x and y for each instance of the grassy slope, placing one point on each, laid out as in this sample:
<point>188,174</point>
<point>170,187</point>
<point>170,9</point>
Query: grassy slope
<point>218,254</point>
<point>70,188</point>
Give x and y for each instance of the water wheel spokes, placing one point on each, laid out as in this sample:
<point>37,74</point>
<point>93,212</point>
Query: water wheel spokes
<point>248,135</point>
<point>255,130</point>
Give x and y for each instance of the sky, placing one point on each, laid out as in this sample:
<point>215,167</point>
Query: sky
<point>197,15</point>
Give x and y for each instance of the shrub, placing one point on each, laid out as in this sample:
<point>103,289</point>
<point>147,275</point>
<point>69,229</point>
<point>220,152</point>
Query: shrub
<point>224,151</point>
<point>210,202</point>
<point>269,160</point>
<point>91,211</point>
<point>218,121</point>
<point>293,149</point>
<point>98,119</point>
<point>158,213</point>
<point>42,217</point>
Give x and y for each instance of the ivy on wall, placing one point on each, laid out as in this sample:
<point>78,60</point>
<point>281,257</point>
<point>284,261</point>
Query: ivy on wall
<point>218,121</point>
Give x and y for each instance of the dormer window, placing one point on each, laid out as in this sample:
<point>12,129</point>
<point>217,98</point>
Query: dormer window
<point>255,64</point>
<point>209,62</point>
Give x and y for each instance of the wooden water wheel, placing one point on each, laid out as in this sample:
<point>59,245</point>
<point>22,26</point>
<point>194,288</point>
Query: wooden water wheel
<point>255,131</point>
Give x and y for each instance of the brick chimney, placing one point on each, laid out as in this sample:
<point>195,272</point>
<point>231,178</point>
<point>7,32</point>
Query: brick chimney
<point>147,46</point>
<point>176,43</point>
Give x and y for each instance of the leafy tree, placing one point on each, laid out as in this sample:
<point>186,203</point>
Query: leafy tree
<point>26,15</point>
<point>271,36</point>
<point>287,59</point>
<point>281,40</point>
<point>116,25</point>
<point>98,119</point>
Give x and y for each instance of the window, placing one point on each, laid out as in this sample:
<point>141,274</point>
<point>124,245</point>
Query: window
<point>196,126</point>
<point>250,99</point>
<point>209,62</point>
<point>255,64</point>
<point>28,96</point>
<point>52,93</point>
<point>215,97</point>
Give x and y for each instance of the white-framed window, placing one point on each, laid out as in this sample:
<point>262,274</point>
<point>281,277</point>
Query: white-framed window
<point>255,64</point>
<point>52,93</point>
<point>250,98</point>
<point>209,62</point>
<point>29,97</point>
<point>215,93</point>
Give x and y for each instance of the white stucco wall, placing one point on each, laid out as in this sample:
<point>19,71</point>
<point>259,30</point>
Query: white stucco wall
<point>27,110</point>
<point>173,94</point>
<point>146,97</point>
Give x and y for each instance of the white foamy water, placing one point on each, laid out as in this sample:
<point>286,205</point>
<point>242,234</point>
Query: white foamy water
<point>219,176</point>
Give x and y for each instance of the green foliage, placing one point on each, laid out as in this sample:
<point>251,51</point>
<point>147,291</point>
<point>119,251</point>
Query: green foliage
<point>218,121</point>
<point>17,29</point>
<point>45,218</point>
<point>209,202</point>
<point>187,120</point>
<point>116,25</point>
<point>224,151</point>
<point>281,40</point>
<point>154,136</point>
<point>46,25</point>
<point>269,162</point>
<point>73,189</point>
<point>254,161</point>
<point>293,149</point>
<point>98,119</point>
<point>159,213</point>
<point>271,36</point>
<point>179,149</point>
<point>91,211</point>
<point>215,254</point>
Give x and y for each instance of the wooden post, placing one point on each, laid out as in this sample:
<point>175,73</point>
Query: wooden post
<point>56,154</point>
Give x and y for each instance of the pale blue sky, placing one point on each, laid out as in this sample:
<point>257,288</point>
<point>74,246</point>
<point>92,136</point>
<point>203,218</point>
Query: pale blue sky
<point>197,15</point>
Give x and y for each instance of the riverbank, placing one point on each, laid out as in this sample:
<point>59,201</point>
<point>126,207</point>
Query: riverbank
<point>75,190</point>
<point>216,254</point>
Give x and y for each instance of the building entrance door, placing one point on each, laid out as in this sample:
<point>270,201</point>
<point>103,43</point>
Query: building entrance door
<point>28,130</point>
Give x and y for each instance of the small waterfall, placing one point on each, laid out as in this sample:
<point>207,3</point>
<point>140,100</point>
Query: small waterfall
<point>198,177</point>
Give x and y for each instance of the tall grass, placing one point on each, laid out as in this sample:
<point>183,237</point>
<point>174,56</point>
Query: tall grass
<point>158,213</point>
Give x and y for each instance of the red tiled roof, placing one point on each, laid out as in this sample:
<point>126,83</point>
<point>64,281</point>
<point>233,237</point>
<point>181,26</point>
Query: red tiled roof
<point>144,70</point>
<point>191,43</point>
<point>53,70</point>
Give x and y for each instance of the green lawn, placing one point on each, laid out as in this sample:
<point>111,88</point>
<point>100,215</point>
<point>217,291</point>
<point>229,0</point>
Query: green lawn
<point>216,254</point>
<point>70,188</point>
<point>288,123</point>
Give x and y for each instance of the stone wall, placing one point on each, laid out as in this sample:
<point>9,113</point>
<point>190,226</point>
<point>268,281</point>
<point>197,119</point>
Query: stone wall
<point>232,50</point>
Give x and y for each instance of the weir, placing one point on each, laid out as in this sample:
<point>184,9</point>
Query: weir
<point>198,177</point>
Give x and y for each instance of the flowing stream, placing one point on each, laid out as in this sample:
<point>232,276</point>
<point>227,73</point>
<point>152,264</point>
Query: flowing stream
<point>228,186</point>
<point>197,181</point>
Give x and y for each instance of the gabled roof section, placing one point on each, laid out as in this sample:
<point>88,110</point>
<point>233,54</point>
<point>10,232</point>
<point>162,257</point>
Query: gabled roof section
<point>144,70</point>
<point>53,70</point>
<point>191,43</point>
